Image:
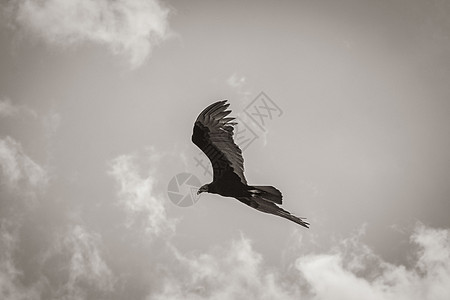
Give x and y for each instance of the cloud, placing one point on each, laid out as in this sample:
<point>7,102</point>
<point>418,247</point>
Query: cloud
<point>239,85</point>
<point>136,194</point>
<point>71,268</point>
<point>43,254</point>
<point>77,258</point>
<point>232,272</point>
<point>50,121</point>
<point>18,169</point>
<point>236,82</point>
<point>11,287</point>
<point>7,109</point>
<point>349,271</point>
<point>355,272</point>
<point>127,27</point>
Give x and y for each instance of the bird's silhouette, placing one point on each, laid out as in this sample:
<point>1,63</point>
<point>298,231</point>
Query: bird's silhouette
<point>213,134</point>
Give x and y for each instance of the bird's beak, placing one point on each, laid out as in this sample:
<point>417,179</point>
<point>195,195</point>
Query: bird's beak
<point>198,192</point>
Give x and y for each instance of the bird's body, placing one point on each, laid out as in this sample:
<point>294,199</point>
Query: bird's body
<point>213,134</point>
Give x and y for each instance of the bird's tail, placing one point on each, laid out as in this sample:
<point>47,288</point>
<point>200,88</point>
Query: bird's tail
<point>285,214</point>
<point>268,193</point>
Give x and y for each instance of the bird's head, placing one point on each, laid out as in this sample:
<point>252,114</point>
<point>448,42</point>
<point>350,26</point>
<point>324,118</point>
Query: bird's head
<point>203,188</point>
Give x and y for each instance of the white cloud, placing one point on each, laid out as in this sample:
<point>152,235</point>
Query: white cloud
<point>349,271</point>
<point>127,27</point>
<point>234,272</point>
<point>236,82</point>
<point>337,276</point>
<point>71,266</point>
<point>82,264</point>
<point>19,169</point>
<point>137,196</point>
<point>7,109</point>
<point>11,288</point>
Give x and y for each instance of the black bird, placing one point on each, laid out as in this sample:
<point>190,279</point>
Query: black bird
<point>213,134</point>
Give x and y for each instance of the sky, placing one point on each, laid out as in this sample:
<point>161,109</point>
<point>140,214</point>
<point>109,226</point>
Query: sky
<point>342,105</point>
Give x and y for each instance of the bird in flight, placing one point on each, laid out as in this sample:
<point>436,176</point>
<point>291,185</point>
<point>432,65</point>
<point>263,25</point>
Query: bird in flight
<point>213,134</point>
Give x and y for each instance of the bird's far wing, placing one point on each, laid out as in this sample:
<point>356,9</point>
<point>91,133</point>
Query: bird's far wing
<point>213,134</point>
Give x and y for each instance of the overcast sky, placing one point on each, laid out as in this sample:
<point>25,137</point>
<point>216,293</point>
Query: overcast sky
<point>97,104</point>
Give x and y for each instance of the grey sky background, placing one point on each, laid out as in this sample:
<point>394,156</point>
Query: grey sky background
<point>97,104</point>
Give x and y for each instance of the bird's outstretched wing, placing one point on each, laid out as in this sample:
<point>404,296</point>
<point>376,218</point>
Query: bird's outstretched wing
<point>271,208</point>
<point>213,134</point>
